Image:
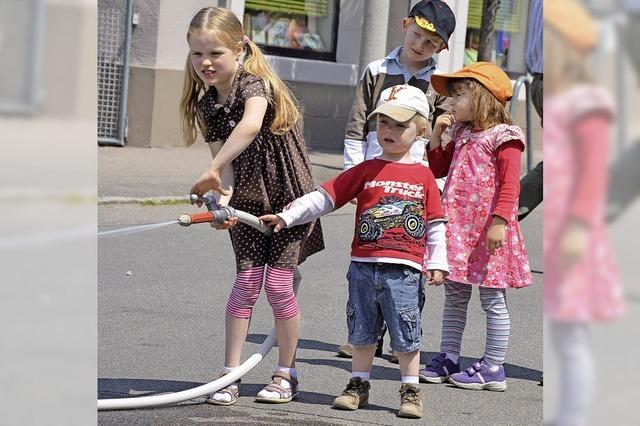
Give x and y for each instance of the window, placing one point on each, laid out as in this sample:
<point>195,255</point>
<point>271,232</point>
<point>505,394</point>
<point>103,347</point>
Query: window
<point>510,34</point>
<point>295,28</point>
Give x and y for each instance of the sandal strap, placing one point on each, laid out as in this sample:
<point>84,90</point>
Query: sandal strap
<point>283,392</point>
<point>234,392</point>
<point>277,377</point>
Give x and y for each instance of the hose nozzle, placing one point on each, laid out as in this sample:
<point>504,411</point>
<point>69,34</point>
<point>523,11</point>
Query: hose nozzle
<point>184,220</point>
<point>188,219</point>
<point>218,214</point>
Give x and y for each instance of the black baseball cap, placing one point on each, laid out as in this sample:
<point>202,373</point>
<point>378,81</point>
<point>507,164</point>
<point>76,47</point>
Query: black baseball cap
<point>436,16</point>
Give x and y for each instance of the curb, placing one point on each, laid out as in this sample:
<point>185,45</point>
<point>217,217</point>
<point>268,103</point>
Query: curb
<point>151,201</point>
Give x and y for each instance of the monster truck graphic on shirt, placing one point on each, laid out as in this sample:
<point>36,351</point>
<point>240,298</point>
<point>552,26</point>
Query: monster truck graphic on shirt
<point>392,212</point>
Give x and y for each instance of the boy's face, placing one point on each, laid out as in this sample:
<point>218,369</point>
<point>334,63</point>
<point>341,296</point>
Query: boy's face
<point>420,44</point>
<point>396,137</point>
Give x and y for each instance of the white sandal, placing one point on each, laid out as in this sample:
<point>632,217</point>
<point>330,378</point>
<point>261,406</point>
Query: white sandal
<point>285,394</point>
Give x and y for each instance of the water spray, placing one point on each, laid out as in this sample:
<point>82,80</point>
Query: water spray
<point>215,214</point>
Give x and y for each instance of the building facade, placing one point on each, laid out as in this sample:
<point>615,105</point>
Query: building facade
<point>314,45</point>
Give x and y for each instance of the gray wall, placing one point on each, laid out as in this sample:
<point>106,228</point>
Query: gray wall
<point>325,109</point>
<point>144,38</point>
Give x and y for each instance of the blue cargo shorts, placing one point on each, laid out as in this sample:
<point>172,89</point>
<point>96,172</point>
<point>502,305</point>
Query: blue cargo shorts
<point>385,292</point>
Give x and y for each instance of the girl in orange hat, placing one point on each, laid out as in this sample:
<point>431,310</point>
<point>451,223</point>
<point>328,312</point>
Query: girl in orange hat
<point>484,242</point>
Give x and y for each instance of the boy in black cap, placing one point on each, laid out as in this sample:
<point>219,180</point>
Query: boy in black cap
<point>426,32</point>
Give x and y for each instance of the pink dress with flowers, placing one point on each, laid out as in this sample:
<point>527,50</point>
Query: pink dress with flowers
<point>469,199</point>
<point>575,182</point>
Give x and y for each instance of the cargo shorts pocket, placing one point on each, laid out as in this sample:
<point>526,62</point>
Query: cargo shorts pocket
<point>412,276</point>
<point>351,318</point>
<point>411,324</point>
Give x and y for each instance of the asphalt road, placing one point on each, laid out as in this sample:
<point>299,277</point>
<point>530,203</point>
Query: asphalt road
<point>161,329</point>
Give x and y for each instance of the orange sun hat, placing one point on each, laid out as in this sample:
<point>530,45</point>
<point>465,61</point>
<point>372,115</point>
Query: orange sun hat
<point>496,81</point>
<point>573,21</point>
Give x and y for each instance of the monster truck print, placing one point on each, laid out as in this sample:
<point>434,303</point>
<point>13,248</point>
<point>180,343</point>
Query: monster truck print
<point>392,212</point>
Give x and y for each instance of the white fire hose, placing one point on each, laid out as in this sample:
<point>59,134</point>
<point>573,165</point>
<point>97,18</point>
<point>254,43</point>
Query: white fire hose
<point>215,214</point>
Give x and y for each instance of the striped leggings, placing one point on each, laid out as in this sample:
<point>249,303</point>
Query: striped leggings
<point>454,319</point>
<point>278,285</point>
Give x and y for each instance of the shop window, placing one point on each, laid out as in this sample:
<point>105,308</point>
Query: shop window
<point>296,28</point>
<point>510,34</point>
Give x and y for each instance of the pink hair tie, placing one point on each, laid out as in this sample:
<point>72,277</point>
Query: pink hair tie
<point>245,39</point>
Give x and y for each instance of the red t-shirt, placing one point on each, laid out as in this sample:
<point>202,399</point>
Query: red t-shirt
<point>395,203</point>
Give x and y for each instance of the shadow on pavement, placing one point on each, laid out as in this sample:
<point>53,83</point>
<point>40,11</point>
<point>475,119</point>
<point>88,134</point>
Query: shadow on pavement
<point>131,388</point>
<point>510,370</point>
<point>302,343</point>
<point>391,372</point>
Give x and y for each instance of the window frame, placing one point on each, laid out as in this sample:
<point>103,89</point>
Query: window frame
<point>289,52</point>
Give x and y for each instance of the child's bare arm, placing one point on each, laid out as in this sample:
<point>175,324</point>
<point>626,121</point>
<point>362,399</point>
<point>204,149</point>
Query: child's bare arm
<point>227,178</point>
<point>240,138</point>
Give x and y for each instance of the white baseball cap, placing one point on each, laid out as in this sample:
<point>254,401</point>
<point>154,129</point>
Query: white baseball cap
<point>402,102</point>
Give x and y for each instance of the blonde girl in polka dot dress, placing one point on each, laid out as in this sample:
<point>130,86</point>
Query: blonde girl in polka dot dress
<point>260,164</point>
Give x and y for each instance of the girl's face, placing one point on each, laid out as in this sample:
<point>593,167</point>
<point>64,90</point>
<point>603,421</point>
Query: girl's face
<point>420,44</point>
<point>462,104</point>
<point>395,137</point>
<point>212,61</point>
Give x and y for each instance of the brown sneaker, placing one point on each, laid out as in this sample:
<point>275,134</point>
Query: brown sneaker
<point>345,351</point>
<point>356,395</point>
<point>410,401</point>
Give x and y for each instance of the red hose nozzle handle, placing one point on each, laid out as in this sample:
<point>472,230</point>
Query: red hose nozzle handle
<point>188,219</point>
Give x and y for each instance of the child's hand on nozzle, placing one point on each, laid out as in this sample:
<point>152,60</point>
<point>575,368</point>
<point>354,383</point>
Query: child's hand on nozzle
<point>435,277</point>
<point>273,220</point>
<point>227,224</point>
<point>210,180</point>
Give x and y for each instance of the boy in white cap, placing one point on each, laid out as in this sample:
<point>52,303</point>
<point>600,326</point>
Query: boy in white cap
<point>427,29</point>
<point>398,216</point>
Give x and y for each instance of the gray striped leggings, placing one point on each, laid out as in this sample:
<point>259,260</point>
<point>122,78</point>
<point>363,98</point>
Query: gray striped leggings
<point>454,319</point>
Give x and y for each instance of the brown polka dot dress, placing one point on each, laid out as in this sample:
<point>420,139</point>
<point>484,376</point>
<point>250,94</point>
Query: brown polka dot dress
<point>270,173</point>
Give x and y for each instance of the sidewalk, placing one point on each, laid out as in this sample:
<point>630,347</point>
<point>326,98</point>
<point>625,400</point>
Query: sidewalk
<point>135,175</point>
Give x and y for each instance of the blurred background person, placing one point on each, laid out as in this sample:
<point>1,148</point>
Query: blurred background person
<point>531,192</point>
<point>297,28</point>
<point>471,48</point>
<point>581,283</point>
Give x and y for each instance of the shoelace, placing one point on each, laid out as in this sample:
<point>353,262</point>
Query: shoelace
<point>354,388</point>
<point>409,395</point>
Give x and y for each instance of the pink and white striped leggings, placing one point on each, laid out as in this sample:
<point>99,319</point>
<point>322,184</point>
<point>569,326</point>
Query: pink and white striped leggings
<point>278,285</point>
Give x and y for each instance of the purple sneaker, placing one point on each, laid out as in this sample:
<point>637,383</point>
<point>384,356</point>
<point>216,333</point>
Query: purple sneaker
<point>438,370</point>
<point>479,376</point>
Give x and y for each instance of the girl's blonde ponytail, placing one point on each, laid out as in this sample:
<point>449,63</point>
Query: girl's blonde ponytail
<point>190,117</point>
<point>286,109</point>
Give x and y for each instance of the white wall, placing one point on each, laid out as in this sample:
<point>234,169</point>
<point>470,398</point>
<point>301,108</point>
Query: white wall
<point>450,60</point>
<point>174,21</point>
